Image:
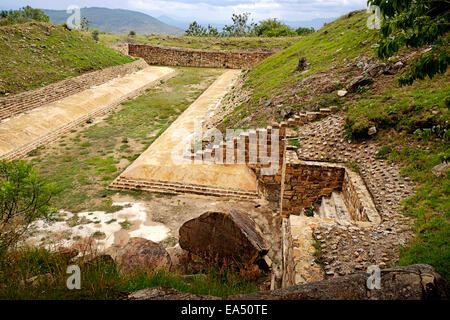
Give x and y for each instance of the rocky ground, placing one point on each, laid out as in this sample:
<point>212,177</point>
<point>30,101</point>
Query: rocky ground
<point>346,249</point>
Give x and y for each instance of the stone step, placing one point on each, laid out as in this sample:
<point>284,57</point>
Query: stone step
<point>161,186</point>
<point>327,209</point>
<point>342,214</point>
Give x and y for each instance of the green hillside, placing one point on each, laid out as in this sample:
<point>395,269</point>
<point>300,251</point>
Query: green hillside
<point>35,54</point>
<point>117,21</point>
<point>412,121</point>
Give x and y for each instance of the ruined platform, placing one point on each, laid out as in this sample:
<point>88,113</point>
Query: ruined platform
<point>45,124</point>
<point>161,167</point>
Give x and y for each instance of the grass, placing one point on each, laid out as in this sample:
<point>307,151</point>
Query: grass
<point>330,47</point>
<point>227,43</point>
<point>101,279</point>
<point>35,54</point>
<point>85,162</point>
<point>413,131</point>
<point>429,206</point>
<point>422,105</point>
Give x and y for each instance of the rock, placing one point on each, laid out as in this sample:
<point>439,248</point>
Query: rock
<point>372,130</point>
<point>230,237</point>
<point>140,254</point>
<point>342,93</point>
<point>287,112</point>
<point>398,65</point>
<point>302,64</point>
<point>414,282</point>
<point>67,253</point>
<point>358,82</point>
<point>440,169</point>
<point>376,69</point>
<point>360,65</point>
<point>166,293</point>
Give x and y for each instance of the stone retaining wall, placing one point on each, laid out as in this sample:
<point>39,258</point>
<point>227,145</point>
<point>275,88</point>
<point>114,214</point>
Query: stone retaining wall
<point>22,151</point>
<point>187,57</point>
<point>25,101</point>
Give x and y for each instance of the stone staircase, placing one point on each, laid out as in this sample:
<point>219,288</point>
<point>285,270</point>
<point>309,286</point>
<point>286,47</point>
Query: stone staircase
<point>334,208</point>
<point>169,187</point>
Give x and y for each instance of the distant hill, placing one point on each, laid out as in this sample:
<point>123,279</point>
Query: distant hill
<point>117,21</point>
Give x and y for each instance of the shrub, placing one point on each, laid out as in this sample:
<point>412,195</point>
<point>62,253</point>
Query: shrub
<point>95,34</point>
<point>132,33</point>
<point>24,197</point>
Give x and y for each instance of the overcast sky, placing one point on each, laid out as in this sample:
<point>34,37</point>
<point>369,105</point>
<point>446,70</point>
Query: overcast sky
<point>219,10</point>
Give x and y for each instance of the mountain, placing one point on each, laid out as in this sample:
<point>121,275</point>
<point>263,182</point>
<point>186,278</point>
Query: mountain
<point>184,24</point>
<point>117,21</point>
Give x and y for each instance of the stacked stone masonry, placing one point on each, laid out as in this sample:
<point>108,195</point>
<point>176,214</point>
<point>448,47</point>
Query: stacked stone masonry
<point>25,101</point>
<point>53,136</point>
<point>187,57</point>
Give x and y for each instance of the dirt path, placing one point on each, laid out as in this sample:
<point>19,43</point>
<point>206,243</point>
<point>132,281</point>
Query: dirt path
<point>28,127</point>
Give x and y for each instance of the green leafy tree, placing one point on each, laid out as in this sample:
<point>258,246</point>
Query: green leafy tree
<point>416,23</point>
<point>301,31</point>
<point>272,28</point>
<point>196,30</point>
<point>24,197</point>
<point>212,32</point>
<point>132,33</point>
<point>22,15</point>
<point>240,27</point>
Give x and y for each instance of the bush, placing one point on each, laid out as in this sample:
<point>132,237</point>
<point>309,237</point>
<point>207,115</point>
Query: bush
<point>24,197</point>
<point>304,31</point>
<point>132,33</point>
<point>95,34</point>
<point>22,15</point>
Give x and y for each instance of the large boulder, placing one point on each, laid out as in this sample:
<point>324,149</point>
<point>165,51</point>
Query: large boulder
<point>414,282</point>
<point>359,81</point>
<point>230,237</point>
<point>142,255</point>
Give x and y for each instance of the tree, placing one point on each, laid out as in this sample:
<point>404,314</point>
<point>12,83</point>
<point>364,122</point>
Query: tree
<point>24,197</point>
<point>240,26</point>
<point>132,33</point>
<point>272,28</point>
<point>195,30</point>
<point>212,32</point>
<point>301,31</point>
<point>414,23</point>
<point>22,15</point>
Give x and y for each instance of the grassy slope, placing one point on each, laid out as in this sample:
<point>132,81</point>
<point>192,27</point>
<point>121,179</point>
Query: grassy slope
<point>345,38</point>
<point>36,54</point>
<point>228,43</point>
<point>396,111</point>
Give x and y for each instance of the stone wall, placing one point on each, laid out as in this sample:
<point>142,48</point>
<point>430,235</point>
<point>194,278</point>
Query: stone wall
<point>358,200</point>
<point>25,101</point>
<point>187,57</point>
<point>306,183</point>
<point>53,136</point>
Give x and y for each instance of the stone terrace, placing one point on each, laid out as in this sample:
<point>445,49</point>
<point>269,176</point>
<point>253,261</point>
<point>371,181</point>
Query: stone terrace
<point>348,248</point>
